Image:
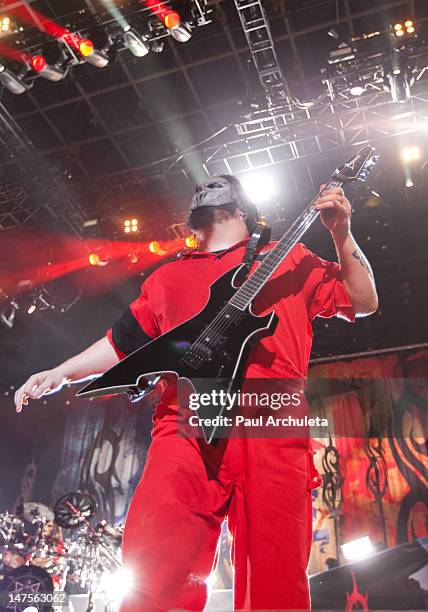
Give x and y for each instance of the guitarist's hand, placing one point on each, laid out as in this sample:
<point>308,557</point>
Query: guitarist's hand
<point>38,385</point>
<point>335,211</point>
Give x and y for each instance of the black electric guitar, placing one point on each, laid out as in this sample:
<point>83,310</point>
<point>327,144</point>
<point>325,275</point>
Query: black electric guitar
<point>214,345</point>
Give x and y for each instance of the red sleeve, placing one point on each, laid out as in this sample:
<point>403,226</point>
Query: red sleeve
<point>135,327</point>
<point>324,292</point>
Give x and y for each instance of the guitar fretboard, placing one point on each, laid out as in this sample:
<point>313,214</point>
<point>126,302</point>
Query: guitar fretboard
<point>251,287</point>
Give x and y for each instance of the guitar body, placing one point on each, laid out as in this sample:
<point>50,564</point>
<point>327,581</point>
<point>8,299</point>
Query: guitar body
<point>219,356</point>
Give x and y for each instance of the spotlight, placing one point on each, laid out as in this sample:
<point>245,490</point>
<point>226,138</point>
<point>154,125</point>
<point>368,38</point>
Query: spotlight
<point>116,585</point>
<point>181,33</point>
<point>357,549</point>
<point>154,247</point>
<point>94,259</point>
<point>5,25</point>
<point>12,82</point>
<point>259,187</point>
<point>97,57</point>
<point>409,183</point>
<point>130,225</point>
<point>135,43</point>
<point>40,65</point>
<point>172,20</point>
<point>50,62</point>
<point>356,89</point>
<point>410,154</point>
<point>191,242</point>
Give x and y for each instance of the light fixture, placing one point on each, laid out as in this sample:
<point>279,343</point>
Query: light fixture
<point>130,225</point>
<point>260,188</point>
<point>191,241</point>
<point>12,82</point>
<point>92,55</point>
<point>356,88</point>
<point>181,33</point>
<point>171,20</point>
<point>40,65</point>
<point>410,154</point>
<point>135,43</point>
<point>5,25</point>
<point>51,62</point>
<point>357,549</point>
<point>95,48</point>
<point>154,247</point>
<point>409,183</point>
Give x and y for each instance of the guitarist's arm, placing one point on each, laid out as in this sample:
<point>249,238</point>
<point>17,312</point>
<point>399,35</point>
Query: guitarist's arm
<point>355,271</point>
<point>99,357</point>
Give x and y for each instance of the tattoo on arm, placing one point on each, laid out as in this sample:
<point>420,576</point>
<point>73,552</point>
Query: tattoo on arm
<point>363,261</point>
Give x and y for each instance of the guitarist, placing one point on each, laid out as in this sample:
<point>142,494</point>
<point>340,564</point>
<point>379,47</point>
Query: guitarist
<point>263,485</point>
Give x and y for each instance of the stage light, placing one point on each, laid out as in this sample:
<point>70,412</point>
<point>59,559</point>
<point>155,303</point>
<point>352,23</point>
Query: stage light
<point>5,24</point>
<point>191,242</point>
<point>116,585</point>
<point>12,82</point>
<point>410,154</point>
<point>94,259</point>
<point>410,30</point>
<point>408,23</point>
<point>172,20</point>
<point>154,247</point>
<point>259,187</point>
<point>409,183</point>
<point>398,26</point>
<point>181,33</point>
<point>40,65</point>
<point>31,308</point>
<point>93,56</point>
<point>357,549</point>
<point>399,32</point>
<point>135,43</point>
<point>356,89</point>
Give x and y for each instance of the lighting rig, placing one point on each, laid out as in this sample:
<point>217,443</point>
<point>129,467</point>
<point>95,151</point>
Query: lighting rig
<point>140,33</point>
<point>389,60</point>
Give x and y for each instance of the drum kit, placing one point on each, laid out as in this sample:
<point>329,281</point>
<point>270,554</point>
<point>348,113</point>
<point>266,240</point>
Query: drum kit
<point>36,557</point>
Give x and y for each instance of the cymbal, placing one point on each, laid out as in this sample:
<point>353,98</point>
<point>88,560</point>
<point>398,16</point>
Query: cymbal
<point>32,511</point>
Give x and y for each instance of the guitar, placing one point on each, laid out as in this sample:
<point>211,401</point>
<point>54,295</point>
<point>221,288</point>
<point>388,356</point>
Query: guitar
<point>214,345</point>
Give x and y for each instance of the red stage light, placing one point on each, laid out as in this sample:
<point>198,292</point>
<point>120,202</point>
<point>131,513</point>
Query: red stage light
<point>172,20</point>
<point>38,63</point>
<point>94,259</point>
<point>154,247</point>
<point>86,47</point>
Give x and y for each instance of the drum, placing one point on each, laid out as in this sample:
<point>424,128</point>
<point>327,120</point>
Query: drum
<point>26,579</point>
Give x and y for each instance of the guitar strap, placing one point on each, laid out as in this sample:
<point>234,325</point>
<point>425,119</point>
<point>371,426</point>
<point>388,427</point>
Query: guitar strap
<point>259,237</point>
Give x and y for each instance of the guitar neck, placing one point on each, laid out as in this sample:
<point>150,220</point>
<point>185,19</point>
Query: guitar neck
<point>251,287</point>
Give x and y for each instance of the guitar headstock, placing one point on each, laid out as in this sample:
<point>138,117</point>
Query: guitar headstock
<point>358,167</point>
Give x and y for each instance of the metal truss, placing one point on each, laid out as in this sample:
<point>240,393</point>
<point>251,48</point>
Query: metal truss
<point>42,194</point>
<point>259,38</point>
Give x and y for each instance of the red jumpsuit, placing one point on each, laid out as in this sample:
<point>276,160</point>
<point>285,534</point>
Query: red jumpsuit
<point>263,485</point>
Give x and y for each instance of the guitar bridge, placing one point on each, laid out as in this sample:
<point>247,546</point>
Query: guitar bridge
<point>143,389</point>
